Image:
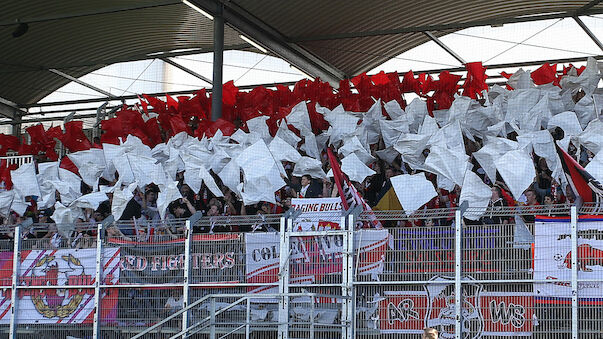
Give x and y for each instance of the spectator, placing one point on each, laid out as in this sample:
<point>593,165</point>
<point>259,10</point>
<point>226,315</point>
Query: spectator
<point>308,190</point>
<point>496,204</point>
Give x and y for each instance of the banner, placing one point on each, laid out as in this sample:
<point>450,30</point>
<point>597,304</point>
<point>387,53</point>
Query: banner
<point>484,313</point>
<point>311,259</point>
<point>317,213</point>
<point>432,249</point>
<point>215,258</point>
<point>553,257</point>
<point>67,267</point>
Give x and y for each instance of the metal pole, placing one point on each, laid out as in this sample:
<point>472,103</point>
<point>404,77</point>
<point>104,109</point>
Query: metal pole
<point>348,276</point>
<point>212,318</point>
<point>588,32</point>
<point>97,282</point>
<point>188,235</point>
<point>458,291</point>
<point>14,298</point>
<point>216,96</point>
<point>283,284</point>
<point>16,129</point>
<point>312,301</point>
<point>248,319</point>
<point>574,233</point>
<point>186,69</point>
<point>445,47</point>
<point>83,83</point>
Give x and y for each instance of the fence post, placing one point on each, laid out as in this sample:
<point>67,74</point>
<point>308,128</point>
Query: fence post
<point>14,298</point>
<point>212,318</point>
<point>458,257</point>
<point>188,235</point>
<point>97,282</point>
<point>574,233</point>
<point>283,282</point>
<point>348,276</point>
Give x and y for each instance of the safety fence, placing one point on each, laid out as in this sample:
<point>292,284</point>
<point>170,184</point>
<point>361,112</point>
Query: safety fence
<point>516,272</point>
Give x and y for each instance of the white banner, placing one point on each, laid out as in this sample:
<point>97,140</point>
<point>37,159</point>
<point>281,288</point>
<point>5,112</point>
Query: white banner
<point>312,258</point>
<point>68,267</point>
<point>553,257</point>
<point>317,213</point>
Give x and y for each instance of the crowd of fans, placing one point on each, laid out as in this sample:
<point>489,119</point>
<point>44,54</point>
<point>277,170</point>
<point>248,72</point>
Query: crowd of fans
<point>141,219</point>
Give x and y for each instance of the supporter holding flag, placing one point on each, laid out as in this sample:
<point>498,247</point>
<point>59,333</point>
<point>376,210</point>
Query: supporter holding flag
<point>584,186</point>
<point>350,197</point>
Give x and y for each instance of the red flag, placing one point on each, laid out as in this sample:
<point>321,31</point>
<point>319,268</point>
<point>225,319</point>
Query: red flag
<point>5,174</point>
<point>476,79</point>
<point>545,74</point>
<point>229,93</point>
<point>349,196</point>
<point>177,125</point>
<point>582,183</point>
<point>145,106</point>
<point>171,102</point>
<point>67,164</point>
<point>113,129</point>
<point>8,142</point>
<point>151,128</point>
<point>74,138</point>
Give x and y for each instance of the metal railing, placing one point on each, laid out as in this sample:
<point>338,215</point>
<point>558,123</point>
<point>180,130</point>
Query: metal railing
<point>508,274</point>
<point>17,159</point>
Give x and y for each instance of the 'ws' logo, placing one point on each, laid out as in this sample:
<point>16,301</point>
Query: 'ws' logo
<point>507,314</point>
<point>64,271</point>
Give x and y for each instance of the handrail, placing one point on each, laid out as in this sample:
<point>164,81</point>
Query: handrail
<point>220,311</point>
<point>231,295</point>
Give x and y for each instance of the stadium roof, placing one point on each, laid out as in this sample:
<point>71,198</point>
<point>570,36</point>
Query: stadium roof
<point>330,39</point>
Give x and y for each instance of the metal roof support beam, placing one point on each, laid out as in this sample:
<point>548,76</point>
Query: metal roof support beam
<point>83,83</point>
<point>12,111</point>
<point>451,26</point>
<point>291,83</point>
<point>216,97</point>
<point>247,24</point>
<point>445,47</point>
<point>584,9</point>
<point>589,32</point>
<point>9,109</point>
<point>186,69</point>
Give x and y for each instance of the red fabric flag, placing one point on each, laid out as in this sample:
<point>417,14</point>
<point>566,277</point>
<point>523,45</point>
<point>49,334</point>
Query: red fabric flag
<point>582,183</point>
<point>380,79</point>
<point>229,93</point>
<point>545,74</point>
<point>225,126</point>
<point>74,138</point>
<point>145,106</point>
<point>158,105</point>
<point>171,103</point>
<point>8,142</point>
<point>177,125</point>
<point>5,174</point>
<point>317,120</point>
<point>153,132</point>
<point>113,130</point>
<point>350,198</point>
<point>67,164</point>
<point>410,84</point>
<point>445,89</point>
<point>476,80</point>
